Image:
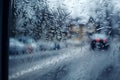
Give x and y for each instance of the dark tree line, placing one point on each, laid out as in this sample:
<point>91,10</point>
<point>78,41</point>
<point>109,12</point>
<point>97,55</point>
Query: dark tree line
<point>34,18</point>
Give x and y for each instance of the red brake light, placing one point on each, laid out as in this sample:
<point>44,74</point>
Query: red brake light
<point>97,40</point>
<point>105,40</point>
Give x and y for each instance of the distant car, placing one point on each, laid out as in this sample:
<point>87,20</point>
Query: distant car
<point>29,43</point>
<point>47,45</point>
<point>16,47</point>
<point>50,45</point>
<point>100,42</point>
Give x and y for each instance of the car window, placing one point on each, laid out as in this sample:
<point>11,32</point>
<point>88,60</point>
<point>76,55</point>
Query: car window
<point>64,40</point>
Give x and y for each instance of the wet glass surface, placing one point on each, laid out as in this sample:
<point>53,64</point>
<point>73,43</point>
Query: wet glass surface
<point>64,40</point>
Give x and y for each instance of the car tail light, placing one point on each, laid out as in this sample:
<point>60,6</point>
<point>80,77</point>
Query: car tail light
<point>97,40</point>
<point>105,40</point>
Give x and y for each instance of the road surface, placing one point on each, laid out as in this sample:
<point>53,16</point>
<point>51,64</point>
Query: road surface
<point>74,63</point>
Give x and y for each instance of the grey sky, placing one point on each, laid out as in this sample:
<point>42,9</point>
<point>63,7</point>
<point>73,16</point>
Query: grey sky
<point>81,8</point>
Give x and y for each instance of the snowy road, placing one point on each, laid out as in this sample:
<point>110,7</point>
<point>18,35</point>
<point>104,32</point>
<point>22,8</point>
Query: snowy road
<point>72,64</point>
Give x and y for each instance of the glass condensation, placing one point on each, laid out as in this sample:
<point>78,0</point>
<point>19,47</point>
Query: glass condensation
<point>64,40</point>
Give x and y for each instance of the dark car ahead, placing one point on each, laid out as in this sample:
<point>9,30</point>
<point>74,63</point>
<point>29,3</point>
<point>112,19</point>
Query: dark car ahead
<point>100,42</point>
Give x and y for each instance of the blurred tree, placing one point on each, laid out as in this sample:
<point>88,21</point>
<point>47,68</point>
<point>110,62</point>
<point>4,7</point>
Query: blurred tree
<point>104,13</point>
<point>34,18</point>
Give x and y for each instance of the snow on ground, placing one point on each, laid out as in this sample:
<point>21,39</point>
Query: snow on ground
<point>83,64</point>
<point>67,55</point>
<point>88,67</point>
<point>91,67</point>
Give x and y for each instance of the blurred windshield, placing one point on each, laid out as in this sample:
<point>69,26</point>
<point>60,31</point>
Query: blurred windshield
<point>64,40</point>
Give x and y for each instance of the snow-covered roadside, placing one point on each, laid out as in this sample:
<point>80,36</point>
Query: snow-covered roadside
<point>94,65</point>
<point>39,55</point>
<point>68,55</point>
<point>84,64</point>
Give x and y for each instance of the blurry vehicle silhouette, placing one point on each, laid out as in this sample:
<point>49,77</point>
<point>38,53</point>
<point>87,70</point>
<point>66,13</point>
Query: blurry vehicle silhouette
<point>100,42</point>
<point>29,44</point>
<point>16,47</point>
